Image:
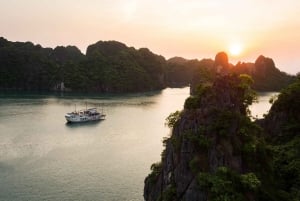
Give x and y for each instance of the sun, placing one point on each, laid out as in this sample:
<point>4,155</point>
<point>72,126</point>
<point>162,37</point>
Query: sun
<point>235,49</point>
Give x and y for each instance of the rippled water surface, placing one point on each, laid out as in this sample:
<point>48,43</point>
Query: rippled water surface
<point>43,158</point>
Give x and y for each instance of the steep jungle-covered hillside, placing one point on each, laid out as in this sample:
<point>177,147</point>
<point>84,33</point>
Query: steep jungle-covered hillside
<point>215,151</point>
<point>108,66</point>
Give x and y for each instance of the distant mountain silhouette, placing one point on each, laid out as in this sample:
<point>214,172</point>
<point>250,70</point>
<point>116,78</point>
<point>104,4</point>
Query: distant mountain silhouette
<point>111,66</point>
<point>108,66</point>
<point>264,73</point>
<point>182,72</point>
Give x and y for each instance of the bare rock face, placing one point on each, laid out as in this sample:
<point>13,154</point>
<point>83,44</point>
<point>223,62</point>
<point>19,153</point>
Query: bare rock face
<point>265,66</point>
<point>205,138</point>
<point>221,63</point>
<point>221,59</point>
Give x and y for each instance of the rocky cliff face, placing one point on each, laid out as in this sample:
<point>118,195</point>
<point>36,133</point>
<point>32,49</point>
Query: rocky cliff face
<point>217,153</point>
<point>211,137</point>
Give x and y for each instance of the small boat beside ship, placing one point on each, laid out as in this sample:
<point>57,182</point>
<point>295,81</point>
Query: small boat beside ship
<point>86,115</point>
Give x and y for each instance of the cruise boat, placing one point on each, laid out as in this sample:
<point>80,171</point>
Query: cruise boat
<point>86,115</point>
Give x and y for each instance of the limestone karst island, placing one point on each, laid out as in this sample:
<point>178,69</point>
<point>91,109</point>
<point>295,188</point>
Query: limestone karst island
<point>217,152</point>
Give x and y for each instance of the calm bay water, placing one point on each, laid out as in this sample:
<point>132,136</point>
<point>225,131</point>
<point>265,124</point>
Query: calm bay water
<point>262,106</point>
<point>43,158</point>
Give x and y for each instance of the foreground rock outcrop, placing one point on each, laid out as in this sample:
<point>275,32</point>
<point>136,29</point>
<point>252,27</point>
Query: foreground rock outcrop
<point>212,141</point>
<point>216,152</point>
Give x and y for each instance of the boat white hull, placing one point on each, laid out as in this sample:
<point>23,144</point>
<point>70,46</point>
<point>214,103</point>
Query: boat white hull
<point>78,119</point>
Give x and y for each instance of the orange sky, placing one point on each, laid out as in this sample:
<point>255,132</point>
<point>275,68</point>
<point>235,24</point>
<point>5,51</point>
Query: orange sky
<point>187,28</point>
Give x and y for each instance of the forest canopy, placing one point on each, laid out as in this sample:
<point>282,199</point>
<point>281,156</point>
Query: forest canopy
<point>111,66</point>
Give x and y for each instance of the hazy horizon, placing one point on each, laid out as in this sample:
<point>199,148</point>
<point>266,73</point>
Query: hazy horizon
<point>189,29</point>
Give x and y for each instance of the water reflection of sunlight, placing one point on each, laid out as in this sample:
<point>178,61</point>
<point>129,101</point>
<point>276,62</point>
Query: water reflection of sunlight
<point>262,107</point>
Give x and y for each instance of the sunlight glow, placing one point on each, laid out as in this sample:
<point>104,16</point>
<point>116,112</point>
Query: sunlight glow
<point>235,49</point>
<point>189,29</point>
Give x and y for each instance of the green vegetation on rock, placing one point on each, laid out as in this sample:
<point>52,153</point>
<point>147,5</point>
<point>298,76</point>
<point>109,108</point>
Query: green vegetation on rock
<point>216,152</point>
<point>172,119</point>
<point>226,184</point>
<point>282,129</point>
<point>107,67</point>
<point>111,66</point>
